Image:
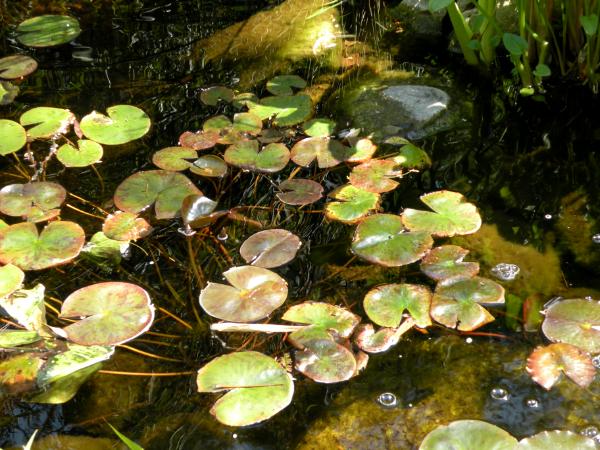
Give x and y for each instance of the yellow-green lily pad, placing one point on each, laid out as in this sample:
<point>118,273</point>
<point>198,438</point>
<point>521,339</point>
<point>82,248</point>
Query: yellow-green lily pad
<point>284,84</point>
<point>468,435</point>
<point>13,135</point>
<point>246,155</point>
<point>124,123</point>
<point>327,151</point>
<point>575,322</point>
<point>87,153</point>
<point>47,122</point>
<point>557,439</point>
<point>286,110</point>
<point>17,66</point>
<point>446,262</point>
<point>36,202</point>
<point>11,278</point>
<point>174,158</point>
<point>124,226</point>
<point>375,176</point>
<point>209,166</point>
<point>352,203</point>
<point>385,304</point>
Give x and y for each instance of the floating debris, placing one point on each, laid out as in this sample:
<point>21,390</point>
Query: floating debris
<point>505,271</point>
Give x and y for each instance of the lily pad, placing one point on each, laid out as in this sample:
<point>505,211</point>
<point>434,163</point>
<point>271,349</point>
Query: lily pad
<point>457,304</point>
<point>270,248</point>
<point>58,243</point>
<point>209,166</point>
<point>468,435</point>
<point>300,192</point>
<point>386,304</point>
<point>325,361</point>
<point>258,387</point>
<point>13,135</point>
<point>8,92</point>
<point>545,365</point>
<point>17,66</point>
<point>445,262</point>
<point>124,226</point>
<point>47,31</point>
<point>26,307</point>
<point>375,176</point>
<point>361,151</point>
<point>104,251</point>
<point>557,439</point>
<point>283,84</point>
<point>452,216</point>
<point>165,189</point>
<point>352,204</point>
<point>243,127</point>
<point>243,99</point>
<point>64,389</point>
<point>412,157</point>
<point>35,202</point>
<point>48,122</point>
<point>254,294</point>
<point>575,322</point>
<point>213,95</point>
<point>124,123</point>
<point>11,278</point>
<point>15,338</point>
<point>328,152</point>
<point>174,158</point>
<point>381,239</point>
<point>88,153</point>
<point>286,110</point>
<point>202,140</point>
<point>319,127</point>
<point>18,374</point>
<point>246,155</point>
<point>325,316</point>
<point>197,211</point>
<point>111,313</point>
<point>371,341</point>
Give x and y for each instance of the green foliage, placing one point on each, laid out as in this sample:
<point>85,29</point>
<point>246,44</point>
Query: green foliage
<point>47,31</point>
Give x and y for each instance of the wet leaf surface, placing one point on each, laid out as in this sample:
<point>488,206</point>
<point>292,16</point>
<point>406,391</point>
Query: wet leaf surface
<point>325,361</point>
<point>18,374</point>
<point>328,152</point>
<point>26,307</point>
<point>386,304</point>
<point>47,122</point>
<point>352,204</point>
<point>287,110</point>
<point>202,140</point>
<point>124,123</point>
<point>15,338</point>
<point>270,248</point>
<point>446,262</point>
<point>468,435</point>
<point>371,341</point>
<point>209,166</point>
<point>246,155</point>
<point>299,192</point>
<point>375,176</point>
<point>196,211</point>
<point>124,226</point>
<point>412,157</point>
<point>546,364</point>
<point>47,30</point>
<point>17,66</point>
<point>575,322</point>
<point>8,92</point>
<point>13,135</point>
<point>87,153</point>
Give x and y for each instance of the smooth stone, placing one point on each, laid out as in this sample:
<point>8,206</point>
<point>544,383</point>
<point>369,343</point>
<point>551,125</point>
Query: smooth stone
<point>419,104</point>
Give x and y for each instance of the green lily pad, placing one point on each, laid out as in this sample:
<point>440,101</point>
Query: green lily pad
<point>58,243</point>
<point>319,127</point>
<point>104,251</point>
<point>243,99</point>
<point>468,435</point>
<point>246,155</point>
<point>370,341</point>
<point>386,304</point>
<point>13,135</point>
<point>217,124</point>
<point>165,189</point>
<point>124,123</point>
<point>270,248</point>
<point>243,127</point>
<point>457,304</point>
<point>174,158</point>
<point>47,122</point>
<point>197,210</point>
<point>254,294</point>
<point>213,95</point>
<point>445,262</point>
<point>15,338</point>
<point>64,389</point>
<point>545,365</point>
<point>26,307</point>
<point>111,313</point>
<point>375,176</point>
<point>325,361</point>
<point>124,226</point>
<point>300,192</point>
<point>352,204</point>
<point>452,216</point>
<point>35,202</point>
<point>286,110</point>
<point>575,322</point>
<point>412,157</point>
<point>283,84</point>
<point>18,374</point>
<point>325,316</point>
<point>269,135</point>
<point>258,387</point>
<point>75,358</point>
<point>557,439</point>
<point>47,31</point>
<point>8,92</point>
<point>88,153</point>
<point>381,239</point>
<point>17,66</point>
<point>202,140</point>
<point>361,151</point>
<point>209,166</point>
<point>328,152</point>
<point>11,278</point>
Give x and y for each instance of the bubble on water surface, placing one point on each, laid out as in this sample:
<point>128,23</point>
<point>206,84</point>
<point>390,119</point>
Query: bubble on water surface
<point>596,361</point>
<point>532,403</point>
<point>596,238</point>
<point>387,400</point>
<point>591,432</point>
<point>499,394</point>
<point>505,271</point>
<point>548,216</point>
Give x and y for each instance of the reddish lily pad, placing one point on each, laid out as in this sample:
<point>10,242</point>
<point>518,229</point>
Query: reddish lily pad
<point>174,158</point>
<point>325,361</point>
<point>283,84</point>
<point>47,122</point>
<point>468,435</point>
<point>375,176</point>
<point>545,365</point>
<point>371,341</point>
<point>163,188</point>
<point>352,204</point>
<point>299,192</point>
<point>246,155</point>
<point>385,304</point>
<point>17,66</point>
<point>87,153</point>
<point>13,135</point>
<point>270,248</point>
<point>286,110</point>
<point>35,202</point>
<point>557,439</point>
<point>575,322</point>
<point>111,313</point>
<point>58,243</point>
<point>452,216</point>
<point>381,239</point>
<point>258,387</point>
<point>319,127</point>
<point>124,226</point>
<point>11,278</point>
<point>325,316</point>
<point>209,166</point>
<point>445,262</point>
<point>328,152</point>
<point>124,123</point>
<point>213,95</point>
<point>202,140</point>
<point>254,294</point>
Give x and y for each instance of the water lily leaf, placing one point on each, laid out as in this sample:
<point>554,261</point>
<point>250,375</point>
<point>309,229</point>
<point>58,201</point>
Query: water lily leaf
<point>8,92</point>
<point>468,435</point>
<point>247,123</point>
<point>269,135</point>
<point>452,216</point>
<point>361,151</point>
<point>254,294</point>
<point>381,239</point>
<point>18,374</point>
<point>13,135</point>
<point>124,226</point>
<point>558,439</point>
<point>298,191</point>
<point>174,158</point>
<point>202,140</point>
<point>319,127</point>
<point>104,251</point>
<point>386,304</point>
<point>376,342</point>
<point>58,243</point>
<point>412,157</point>
<point>11,278</point>
<point>325,361</point>
<point>48,122</point>
<point>375,176</point>
<point>163,188</point>
<point>75,358</point>
<point>246,155</point>
<point>244,126</point>
<point>15,338</point>
<point>352,204</point>
<point>88,153</point>
<point>286,110</point>
<point>575,322</point>
<point>213,95</point>
<point>243,99</point>
<point>258,387</point>
<point>47,31</point>
<point>17,66</point>
<point>545,365</point>
<point>218,124</point>
<point>270,248</point>
<point>64,389</point>
<point>328,152</point>
<point>457,304</point>
<point>283,84</point>
<point>124,123</point>
<point>26,306</point>
<point>324,316</point>
<point>196,211</point>
<point>209,166</point>
<point>35,202</point>
<point>111,313</point>
<point>446,261</point>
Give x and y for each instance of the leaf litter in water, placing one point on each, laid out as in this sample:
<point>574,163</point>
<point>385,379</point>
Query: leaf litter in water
<point>14,136</point>
<point>558,440</point>
<point>468,435</point>
<point>270,248</point>
<point>385,304</point>
<point>352,203</point>
<point>213,95</point>
<point>546,364</point>
<point>299,192</point>
<point>47,122</point>
<point>246,155</point>
<point>17,66</point>
<point>124,226</point>
<point>85,154</point>
<point>209,166</point>
<point>124,123</point>
<point>35,202</point>
<point>47,30</point>
<point>174,158</point>
<point>446,262</point>
<point>18,374</point>
<point>575,322</point>
<point>284,84</point>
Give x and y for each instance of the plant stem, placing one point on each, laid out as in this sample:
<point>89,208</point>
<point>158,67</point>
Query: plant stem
<point>252,327</point>
<point>463,33</point>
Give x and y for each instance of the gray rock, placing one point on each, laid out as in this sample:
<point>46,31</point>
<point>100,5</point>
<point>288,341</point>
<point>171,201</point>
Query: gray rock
<point>419,5</point>
<point>419,104</point>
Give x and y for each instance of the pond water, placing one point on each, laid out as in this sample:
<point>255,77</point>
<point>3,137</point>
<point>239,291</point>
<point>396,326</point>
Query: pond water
<point>530,167</point>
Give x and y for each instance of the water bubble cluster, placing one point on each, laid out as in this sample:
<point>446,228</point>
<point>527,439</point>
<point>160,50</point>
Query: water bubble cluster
<point>532,403</point>
<point>505,271</point>
<point>499,394</point>
<point>591,432</point>
<point>596,238</point>
<point>387,400</point>
<point>596,361</point>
